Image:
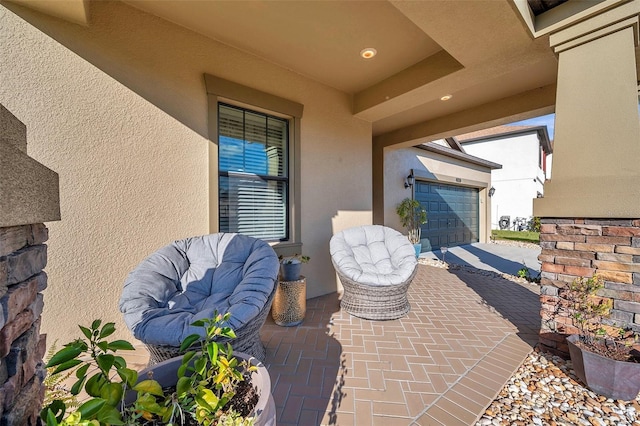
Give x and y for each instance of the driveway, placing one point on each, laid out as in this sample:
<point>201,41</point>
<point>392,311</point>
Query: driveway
<point>494,257</point>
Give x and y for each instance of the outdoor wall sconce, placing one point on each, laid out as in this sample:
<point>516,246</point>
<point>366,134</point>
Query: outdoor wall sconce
<point>409,180</point>
<point>492,191</point>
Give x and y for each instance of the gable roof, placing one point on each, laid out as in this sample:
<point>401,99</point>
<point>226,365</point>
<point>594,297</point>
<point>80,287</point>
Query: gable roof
<point>455,153</point>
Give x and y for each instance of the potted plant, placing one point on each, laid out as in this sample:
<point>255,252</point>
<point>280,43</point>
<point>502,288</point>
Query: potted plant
<point>412,216</point>
<point>291,266</point>
<point>207,386</point>
<point>603,356</point>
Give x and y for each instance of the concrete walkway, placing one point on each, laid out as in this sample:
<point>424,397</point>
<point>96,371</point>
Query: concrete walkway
<point>503,258</point>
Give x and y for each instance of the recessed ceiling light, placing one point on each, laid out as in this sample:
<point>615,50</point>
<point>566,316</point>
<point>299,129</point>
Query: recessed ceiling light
<point>368,52</point>
<point>446,97</point>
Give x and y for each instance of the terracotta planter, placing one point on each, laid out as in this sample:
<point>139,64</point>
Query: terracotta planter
<point>605,376</point>
<point>265,411</point>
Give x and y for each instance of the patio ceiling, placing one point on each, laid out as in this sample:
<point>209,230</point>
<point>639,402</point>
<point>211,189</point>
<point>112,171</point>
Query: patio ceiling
<point>476,51</point>
<point>480,52</point>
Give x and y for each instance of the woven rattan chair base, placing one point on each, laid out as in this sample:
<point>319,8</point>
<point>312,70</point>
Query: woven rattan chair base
<point>375,302</point>
<point>247,340</point>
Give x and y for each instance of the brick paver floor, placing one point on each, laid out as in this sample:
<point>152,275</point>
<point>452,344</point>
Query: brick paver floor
<point>442,364</point>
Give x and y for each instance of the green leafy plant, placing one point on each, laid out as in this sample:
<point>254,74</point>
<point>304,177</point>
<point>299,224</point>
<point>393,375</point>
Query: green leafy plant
<point>588,309</point>
<point>524,273</point>
<point>100,383</point>
<point>534,224</point>
<point>55,384</point>
<point>588,313</point>
<point>207,381</point>
<point>294,259</point>
<point>208,378</point>
<point>412,215</point>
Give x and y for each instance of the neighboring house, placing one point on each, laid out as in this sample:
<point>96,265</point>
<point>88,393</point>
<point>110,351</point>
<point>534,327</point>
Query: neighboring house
<point>452,186</point>
<point>525,155</point>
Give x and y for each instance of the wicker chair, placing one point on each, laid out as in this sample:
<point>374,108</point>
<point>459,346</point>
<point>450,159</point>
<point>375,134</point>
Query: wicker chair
<point>192,279</point>
<point>376,265</point>
<point>247,339</point>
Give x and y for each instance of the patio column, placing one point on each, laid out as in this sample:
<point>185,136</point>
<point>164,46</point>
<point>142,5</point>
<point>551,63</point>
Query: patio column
<point>29,195</point>
<point>591,207</point>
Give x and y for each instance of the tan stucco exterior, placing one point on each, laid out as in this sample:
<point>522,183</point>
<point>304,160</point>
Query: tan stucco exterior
<point>115,101</point>
<point>126,129</point>
<point>433,167</point>
<point>597,130</point>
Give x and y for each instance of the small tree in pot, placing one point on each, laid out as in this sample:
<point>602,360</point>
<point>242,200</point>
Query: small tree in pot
<point>412,216</point>
<point>603,356</point>
<point>206,386</point>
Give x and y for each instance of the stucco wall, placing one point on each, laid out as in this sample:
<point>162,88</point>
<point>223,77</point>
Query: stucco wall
<point>119,109</point>
<point>435,167</point>
<point>519,180</point>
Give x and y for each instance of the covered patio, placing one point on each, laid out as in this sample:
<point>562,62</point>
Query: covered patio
<point>443,363</point>
<point>122,100</point>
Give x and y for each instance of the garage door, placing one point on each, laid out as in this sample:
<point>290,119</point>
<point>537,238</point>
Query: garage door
<point>452,215</point>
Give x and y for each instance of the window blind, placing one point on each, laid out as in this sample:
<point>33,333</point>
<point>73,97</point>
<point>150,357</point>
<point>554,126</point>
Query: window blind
<point>253,173</point>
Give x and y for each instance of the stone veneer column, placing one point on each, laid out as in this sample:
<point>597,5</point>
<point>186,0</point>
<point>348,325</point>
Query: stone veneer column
<point>590,207</point>
<point>29,195</point>
<point>22,280</point>
<point>573,248</point>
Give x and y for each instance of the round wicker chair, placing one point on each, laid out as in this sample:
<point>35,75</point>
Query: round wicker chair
<point>376,265</point>
<point>194,278</point>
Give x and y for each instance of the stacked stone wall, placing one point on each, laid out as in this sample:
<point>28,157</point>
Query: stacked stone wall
<point>573,248</point>
<point>23,257</point>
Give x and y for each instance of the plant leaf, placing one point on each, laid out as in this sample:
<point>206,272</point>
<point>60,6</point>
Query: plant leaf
<point>66,365</point>
<point>121,345</point>
<point>85,331</point>
<point>119,362</point>
<point>107,330</point>
<point>51,419</point>
<point>82,371</point>
<point>198,323</point>
<point>128,376</point>
<point>212,351</point>
<point>103,346</point>
<point>94,384</point>
<point>200,365</point>
<point>112,393</point>
<point>182,386</point>
<point>188,341</point>
<point>228,332</point>
<point>149,386</point>
<point>207,399</point>
<point>109,416</point>
<point>64,355</point>
<point>95,324</point>
<point>105,361</point>
<point>77,386</point>
<point>56,409</point>
<point>187,357</point>
<point>90,408</point>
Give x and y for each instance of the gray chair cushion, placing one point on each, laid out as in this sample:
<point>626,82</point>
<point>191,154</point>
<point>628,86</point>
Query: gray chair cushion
<point>373,255</point>
<point>190,279</point>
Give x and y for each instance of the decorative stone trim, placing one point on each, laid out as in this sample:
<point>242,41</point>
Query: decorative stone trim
<point>22,259</point>
<point>573,248</point>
